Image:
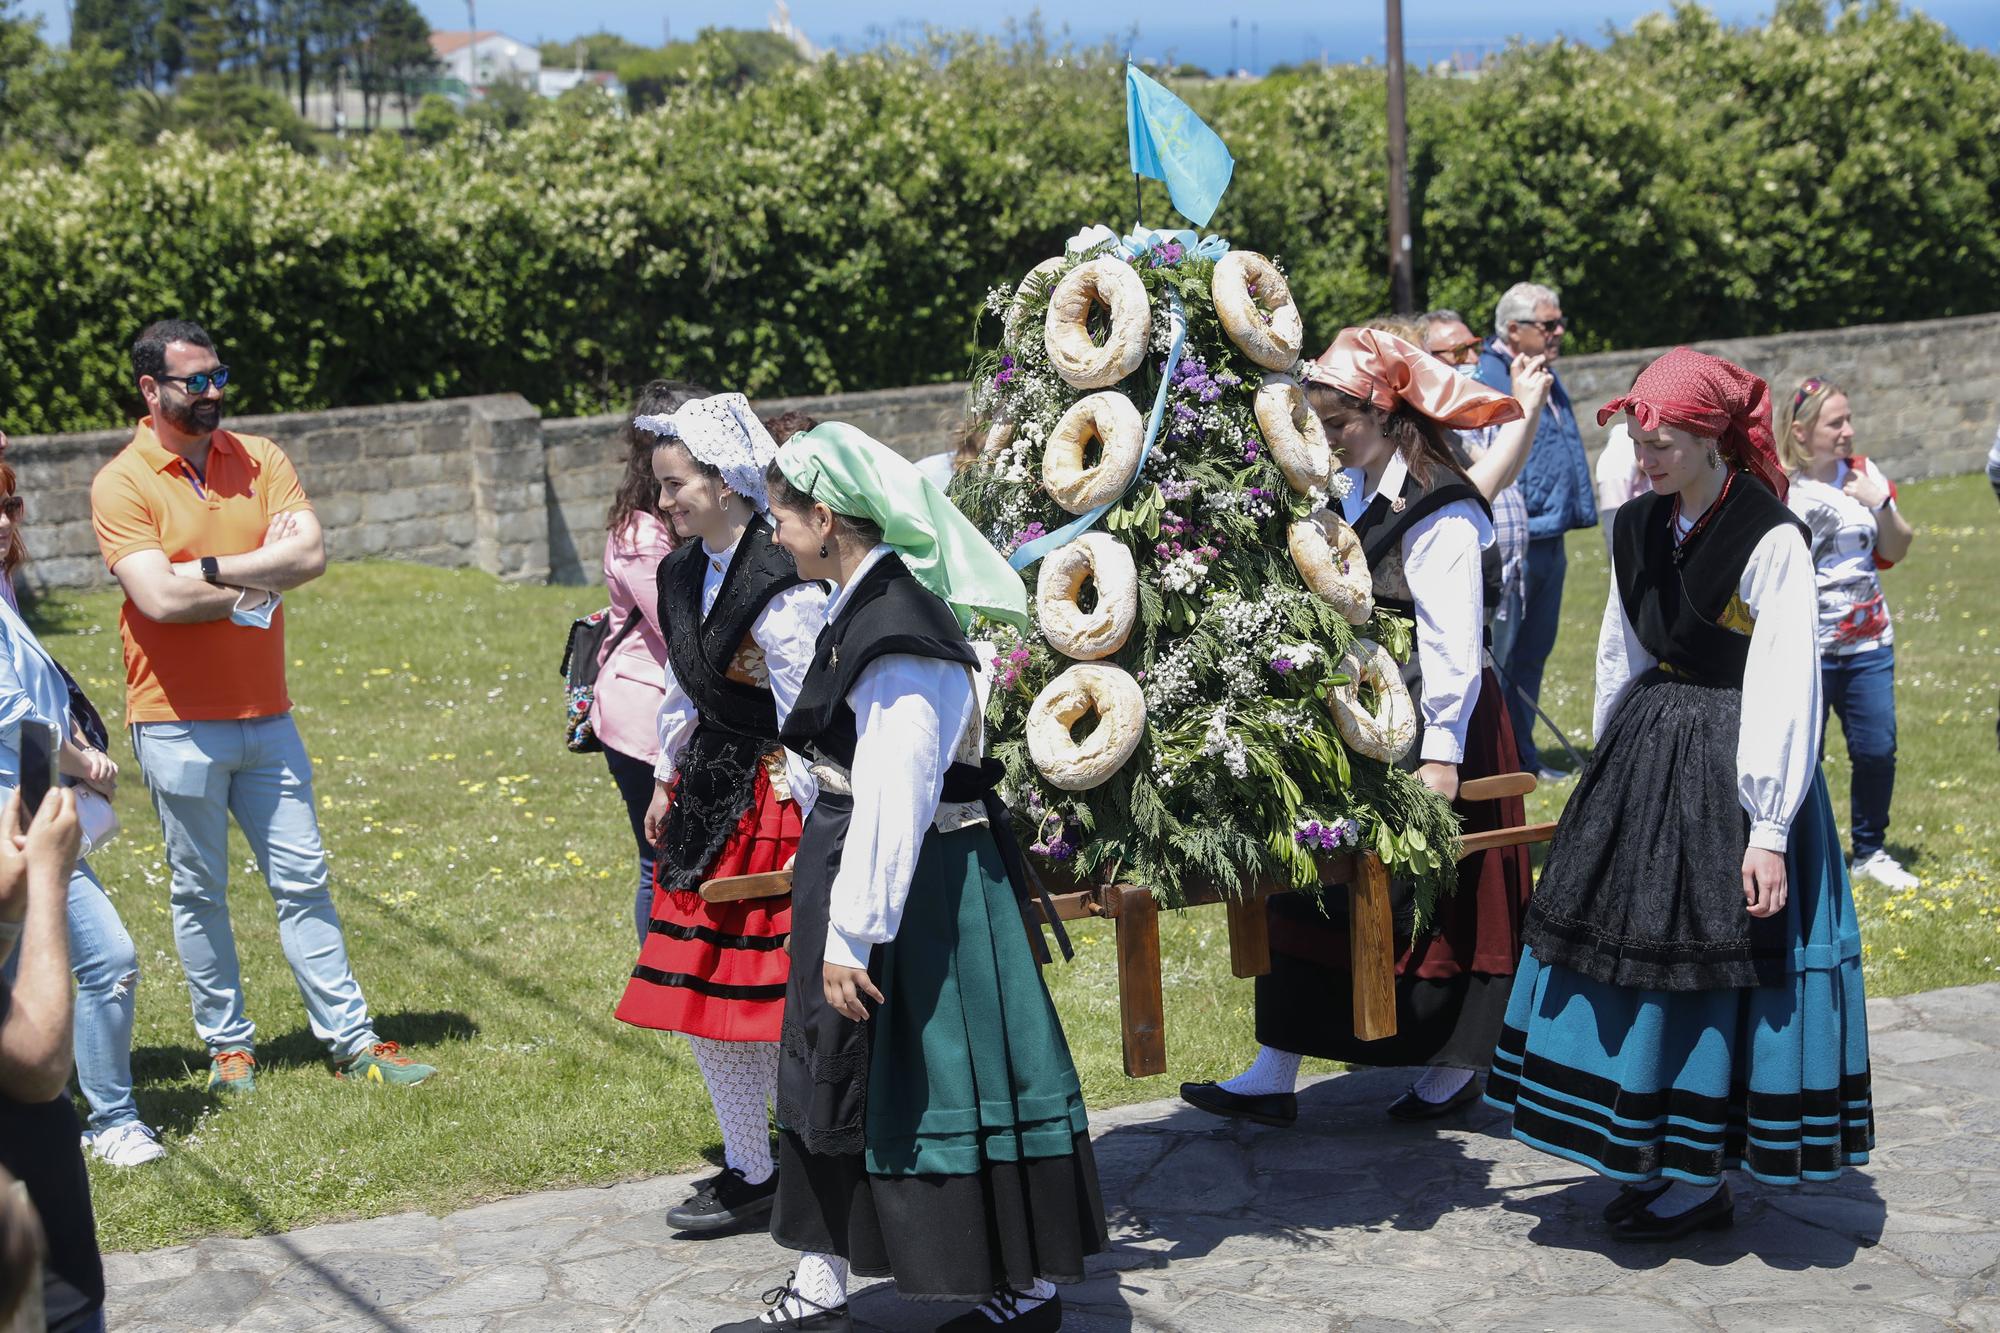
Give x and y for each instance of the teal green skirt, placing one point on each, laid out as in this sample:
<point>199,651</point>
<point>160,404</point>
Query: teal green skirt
<point>944,1141</point>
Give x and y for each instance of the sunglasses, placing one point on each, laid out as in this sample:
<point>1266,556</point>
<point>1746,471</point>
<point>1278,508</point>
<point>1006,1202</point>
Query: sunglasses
<point>198,384</point>
<point>1459,355</point>
<point>13,506</point>
<point>1549,327</point>
<point>1807,390</point>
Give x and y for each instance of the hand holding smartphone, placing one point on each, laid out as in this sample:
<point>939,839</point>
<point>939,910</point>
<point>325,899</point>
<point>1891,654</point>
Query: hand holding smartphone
<point>39,748</point>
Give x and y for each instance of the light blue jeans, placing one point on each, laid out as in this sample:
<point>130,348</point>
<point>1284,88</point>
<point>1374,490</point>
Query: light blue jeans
<point>107,978</point>
<point>201,773</point>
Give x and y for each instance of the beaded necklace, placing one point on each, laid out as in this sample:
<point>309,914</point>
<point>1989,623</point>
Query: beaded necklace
<point>1674,520</point>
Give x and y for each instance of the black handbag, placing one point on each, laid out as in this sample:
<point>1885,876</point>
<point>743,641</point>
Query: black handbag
<point>83,714</point>
<point>581,654</point>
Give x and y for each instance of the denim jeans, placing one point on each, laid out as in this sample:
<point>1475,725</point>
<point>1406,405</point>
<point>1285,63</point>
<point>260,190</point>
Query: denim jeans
<point>107,978</point>
<point>1535,639</point>
<point>1861,689</point>
<point>635,783</point>
<point>200,774</point>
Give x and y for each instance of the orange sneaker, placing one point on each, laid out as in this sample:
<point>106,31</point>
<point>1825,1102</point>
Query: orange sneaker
<point>233,1071</point>
<point>383,1062</point>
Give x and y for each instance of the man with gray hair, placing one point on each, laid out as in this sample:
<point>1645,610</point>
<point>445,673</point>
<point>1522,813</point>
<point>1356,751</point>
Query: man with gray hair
<point>1556,483</point>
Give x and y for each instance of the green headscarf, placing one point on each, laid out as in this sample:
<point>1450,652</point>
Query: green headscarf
<point>852,474</point>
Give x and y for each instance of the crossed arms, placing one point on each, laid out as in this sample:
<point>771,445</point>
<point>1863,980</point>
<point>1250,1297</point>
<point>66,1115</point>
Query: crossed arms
<point>293,552</point>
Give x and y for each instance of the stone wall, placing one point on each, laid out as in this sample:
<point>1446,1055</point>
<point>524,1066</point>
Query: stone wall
<point>1925,396</point>
<point>487,483</point>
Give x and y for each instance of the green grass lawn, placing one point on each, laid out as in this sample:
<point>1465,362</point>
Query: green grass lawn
<point>485,877</point>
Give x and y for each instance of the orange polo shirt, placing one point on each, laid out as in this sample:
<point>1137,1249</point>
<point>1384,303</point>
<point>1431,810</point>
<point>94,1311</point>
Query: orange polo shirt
<point>148,498</point>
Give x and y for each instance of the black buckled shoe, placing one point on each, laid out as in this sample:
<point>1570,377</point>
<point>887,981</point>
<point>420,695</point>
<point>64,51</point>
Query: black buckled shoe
<point>1004,1312</point>
<point>816,1318</point>
<point>1716,1214</point>
<point>1631,1198</point>
<point>724,1202</point>
<point>1271,1108</point>
<point>1409,1106</point>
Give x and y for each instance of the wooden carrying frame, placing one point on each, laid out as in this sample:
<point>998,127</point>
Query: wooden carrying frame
<point>1135,917</point>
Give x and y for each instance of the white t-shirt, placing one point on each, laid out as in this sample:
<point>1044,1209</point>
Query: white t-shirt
<point>1853,617</point>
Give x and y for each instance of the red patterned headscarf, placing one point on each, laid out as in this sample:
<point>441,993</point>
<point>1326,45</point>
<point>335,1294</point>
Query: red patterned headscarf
<point>1712,398</point>
<point>1382,369</point>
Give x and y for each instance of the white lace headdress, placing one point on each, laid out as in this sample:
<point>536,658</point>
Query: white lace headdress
<point>724,433</point>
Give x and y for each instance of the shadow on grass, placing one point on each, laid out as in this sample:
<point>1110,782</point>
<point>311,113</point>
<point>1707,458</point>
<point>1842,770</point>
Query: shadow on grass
<point>161,1074</point>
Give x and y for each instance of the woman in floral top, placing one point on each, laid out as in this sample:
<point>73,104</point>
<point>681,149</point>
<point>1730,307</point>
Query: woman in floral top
<point>1857,532</point>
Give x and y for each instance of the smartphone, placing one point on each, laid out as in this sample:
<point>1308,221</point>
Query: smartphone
<point>37,744</point>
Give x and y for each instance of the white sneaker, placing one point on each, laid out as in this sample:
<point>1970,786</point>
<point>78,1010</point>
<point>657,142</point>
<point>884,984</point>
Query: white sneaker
<point>1884,869</point>
<point>129,1144</point>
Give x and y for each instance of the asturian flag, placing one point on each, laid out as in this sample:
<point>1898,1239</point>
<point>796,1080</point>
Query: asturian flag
<point>1171,143</point>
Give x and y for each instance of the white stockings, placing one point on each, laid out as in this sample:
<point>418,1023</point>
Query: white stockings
<point>1273,1071</point>
<point>742,1078</point>
<point>1440,1084</point>
<point>819,1284</point>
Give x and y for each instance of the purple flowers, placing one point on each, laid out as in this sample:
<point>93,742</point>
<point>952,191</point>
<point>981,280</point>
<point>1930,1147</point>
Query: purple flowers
<point>1008,668</point>
<point>1026,535</point>
<point>1282,665</point>
<point>1252,447</point>
<point>1006,371</point>
<point>1321,837</point>
<point>1167,254</point>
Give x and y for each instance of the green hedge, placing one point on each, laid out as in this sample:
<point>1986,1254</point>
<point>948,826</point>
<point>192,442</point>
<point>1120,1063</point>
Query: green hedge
<point>835,227</point>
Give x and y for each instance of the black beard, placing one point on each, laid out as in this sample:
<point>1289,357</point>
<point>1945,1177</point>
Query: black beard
<point>196,418</point>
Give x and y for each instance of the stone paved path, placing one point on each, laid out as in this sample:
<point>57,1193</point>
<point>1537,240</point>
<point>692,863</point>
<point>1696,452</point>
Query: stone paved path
<point>1348,1221</point>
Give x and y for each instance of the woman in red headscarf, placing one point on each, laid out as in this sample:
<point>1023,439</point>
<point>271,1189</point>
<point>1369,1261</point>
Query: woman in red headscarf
<point>1689,999</point>
<point>1428,536</point>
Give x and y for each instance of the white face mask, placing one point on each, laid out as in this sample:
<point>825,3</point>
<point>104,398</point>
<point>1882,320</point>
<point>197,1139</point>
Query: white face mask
<point>1469,369</point>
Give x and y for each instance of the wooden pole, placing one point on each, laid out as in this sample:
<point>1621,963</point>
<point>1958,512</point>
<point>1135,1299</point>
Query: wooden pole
<point>1371,940</point>
<point>1142,1008</point>
<point>1402,270</point>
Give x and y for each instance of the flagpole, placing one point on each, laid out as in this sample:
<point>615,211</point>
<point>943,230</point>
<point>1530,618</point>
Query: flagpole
<point>1402,277</point>
<point>1138,189</point>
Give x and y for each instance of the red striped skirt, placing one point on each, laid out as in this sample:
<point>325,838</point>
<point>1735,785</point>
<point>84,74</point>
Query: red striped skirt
<point>718,969</point>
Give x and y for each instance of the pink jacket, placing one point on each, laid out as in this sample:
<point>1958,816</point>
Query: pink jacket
<point>631,681</point>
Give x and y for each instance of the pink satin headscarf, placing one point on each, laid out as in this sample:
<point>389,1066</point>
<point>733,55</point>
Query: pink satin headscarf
<point>1382,369</point>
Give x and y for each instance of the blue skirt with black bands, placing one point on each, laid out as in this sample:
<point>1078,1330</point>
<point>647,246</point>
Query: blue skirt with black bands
<point>1642,1084</point>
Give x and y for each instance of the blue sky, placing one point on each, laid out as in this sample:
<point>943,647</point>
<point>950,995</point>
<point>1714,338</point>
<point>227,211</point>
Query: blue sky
<point>1197,30</point>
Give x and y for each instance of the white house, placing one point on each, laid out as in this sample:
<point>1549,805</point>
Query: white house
<point>481,59</point>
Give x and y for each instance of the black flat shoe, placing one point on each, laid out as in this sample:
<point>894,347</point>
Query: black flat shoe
<point>724,1202</point>
<point>1043,1318</point>
<point>817,1319</point>
<point>1409,1106</point>
<point>1631,1198</point>
<point>1272,1108</point>
<point>1717,1214</point>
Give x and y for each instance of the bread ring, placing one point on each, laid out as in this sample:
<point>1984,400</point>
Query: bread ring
<point>1111,283</point>
<point>1328,555</point>
<point>1110,419</point>
<point>1386,733</point>
<point>1265,324</point>
<point>1293,431</point>
<point>1070,630</point>
<point>1011,323</point>
<point>1087,687</point>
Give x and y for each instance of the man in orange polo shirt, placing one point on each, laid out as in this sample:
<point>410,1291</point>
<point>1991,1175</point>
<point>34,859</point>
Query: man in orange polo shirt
<point>205,530</point>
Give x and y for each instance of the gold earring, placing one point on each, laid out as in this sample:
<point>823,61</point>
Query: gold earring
<point>1714,461</point>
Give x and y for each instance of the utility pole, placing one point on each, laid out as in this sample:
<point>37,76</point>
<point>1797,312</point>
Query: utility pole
<point>1234,65</point>
<point>471,51</point>
<point>1402,270</point>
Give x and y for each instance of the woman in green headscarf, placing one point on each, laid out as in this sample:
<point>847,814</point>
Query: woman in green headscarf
<point>931,1128</point>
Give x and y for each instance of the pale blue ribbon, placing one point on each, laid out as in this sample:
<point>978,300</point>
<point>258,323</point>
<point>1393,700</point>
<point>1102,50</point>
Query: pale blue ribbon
<point>1030,552</point>
<point>1143,241</point>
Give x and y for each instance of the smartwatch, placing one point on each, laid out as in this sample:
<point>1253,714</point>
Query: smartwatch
<point>210,570</point>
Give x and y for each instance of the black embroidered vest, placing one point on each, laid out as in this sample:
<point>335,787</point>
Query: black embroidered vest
<point>713,658</point>
<point>705,650</point>
<point>888,613</point>
<point>1686,611</point>
<point>1381,528</point>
